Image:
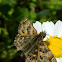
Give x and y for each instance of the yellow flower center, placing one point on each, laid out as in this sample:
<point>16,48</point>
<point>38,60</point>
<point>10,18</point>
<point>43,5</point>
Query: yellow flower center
<point>55,45</point>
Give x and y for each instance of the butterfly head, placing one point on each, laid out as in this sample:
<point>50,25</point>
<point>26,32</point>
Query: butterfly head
<point>42,34</point>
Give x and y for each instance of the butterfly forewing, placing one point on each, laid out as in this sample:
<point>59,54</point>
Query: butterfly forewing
<point>25,32</point>
<point>26,28</point>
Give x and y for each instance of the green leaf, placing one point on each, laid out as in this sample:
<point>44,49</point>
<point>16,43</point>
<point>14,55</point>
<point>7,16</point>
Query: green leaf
<point>4,10</point>
<point>32,14</point>
<point>11,11</point>
<point>0,30</point>
<point>4,31</point>
<point>44,13</point>
<point>10,2</point>
<point>32,5</point>
<point>0,1</point>
<point>34,0</point>
<point>23,13</point>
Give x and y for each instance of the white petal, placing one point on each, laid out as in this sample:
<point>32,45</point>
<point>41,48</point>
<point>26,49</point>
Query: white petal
<point>57,59</point>
<point>60,59</point>
<point>46,37</point>
<point>48,27</point>
<point>58,28</point>
<point>37,26</point>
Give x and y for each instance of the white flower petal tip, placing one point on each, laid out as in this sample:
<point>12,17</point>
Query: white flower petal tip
<point>58,21</point>
<point>48,27</point>
<point>37,26</point>
<point>59,59</point>
<point>58,28</point>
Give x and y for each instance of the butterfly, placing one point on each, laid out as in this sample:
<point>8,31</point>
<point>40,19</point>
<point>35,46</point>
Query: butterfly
<point>31,44</point>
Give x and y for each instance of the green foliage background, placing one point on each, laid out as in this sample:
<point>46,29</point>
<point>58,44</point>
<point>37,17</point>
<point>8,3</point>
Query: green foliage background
<point>11,13</point>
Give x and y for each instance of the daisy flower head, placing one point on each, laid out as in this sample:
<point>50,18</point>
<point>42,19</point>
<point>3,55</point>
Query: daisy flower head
<point>54,36</point>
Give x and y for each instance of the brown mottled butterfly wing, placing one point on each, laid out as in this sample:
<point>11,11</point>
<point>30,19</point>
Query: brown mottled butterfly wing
<point>26,28</point>
<point>25,32</point>
<point>31,43</point>
<point>43,55</point>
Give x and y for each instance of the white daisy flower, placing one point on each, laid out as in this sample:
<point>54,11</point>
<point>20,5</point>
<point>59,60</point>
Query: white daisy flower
<point>54,34</point>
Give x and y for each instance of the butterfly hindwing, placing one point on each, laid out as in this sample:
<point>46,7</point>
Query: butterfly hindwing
<point>43,54</point>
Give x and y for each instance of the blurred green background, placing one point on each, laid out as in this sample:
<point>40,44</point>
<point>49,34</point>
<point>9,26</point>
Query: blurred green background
<point>11,13</point>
